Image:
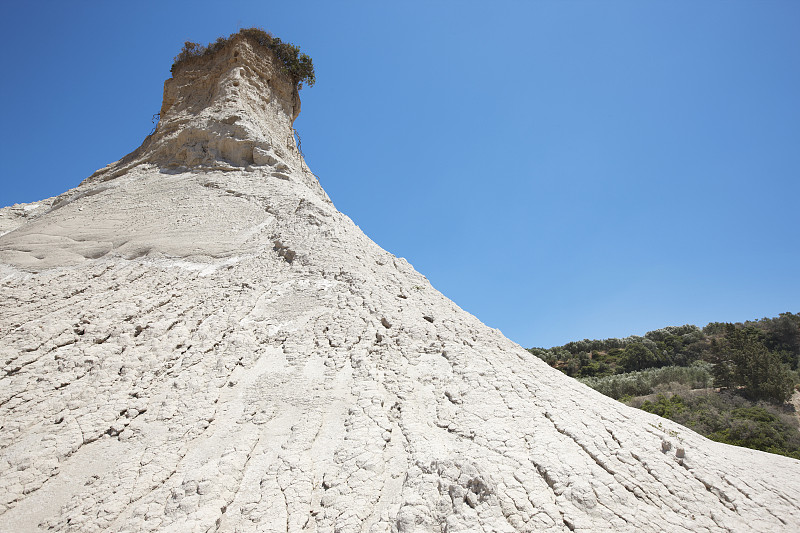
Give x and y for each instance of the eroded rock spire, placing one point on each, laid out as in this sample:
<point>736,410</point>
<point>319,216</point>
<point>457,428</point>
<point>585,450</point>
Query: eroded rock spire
<point>228,110</point>
<point>195,339</point>
<point>225,134</point>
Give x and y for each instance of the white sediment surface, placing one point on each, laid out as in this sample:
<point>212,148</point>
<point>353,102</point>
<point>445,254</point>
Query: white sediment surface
<point>195,339</point>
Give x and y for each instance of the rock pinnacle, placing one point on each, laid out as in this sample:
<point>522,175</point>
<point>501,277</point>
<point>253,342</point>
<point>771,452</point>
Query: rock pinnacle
<point>195,339</point>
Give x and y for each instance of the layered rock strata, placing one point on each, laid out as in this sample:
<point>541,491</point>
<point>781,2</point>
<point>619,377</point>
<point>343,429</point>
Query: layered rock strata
<point>195,339</point>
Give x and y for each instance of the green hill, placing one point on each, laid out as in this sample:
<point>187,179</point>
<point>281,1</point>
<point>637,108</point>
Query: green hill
<point>729,382</point>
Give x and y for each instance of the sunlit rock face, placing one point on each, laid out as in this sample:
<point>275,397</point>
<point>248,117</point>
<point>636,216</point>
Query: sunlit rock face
<point>226,119</point>
<point>195,339</point>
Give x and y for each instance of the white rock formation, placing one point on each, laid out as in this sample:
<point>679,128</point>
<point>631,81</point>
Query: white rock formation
<point>195,339</point>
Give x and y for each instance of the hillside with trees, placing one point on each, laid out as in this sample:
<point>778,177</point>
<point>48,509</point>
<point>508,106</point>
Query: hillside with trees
<point>729,382</point>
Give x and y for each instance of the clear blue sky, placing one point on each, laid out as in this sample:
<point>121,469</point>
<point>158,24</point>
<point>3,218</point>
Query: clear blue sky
<point>561,169</point>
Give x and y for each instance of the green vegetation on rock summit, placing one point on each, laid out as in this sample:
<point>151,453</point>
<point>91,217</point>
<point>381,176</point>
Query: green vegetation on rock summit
<point>298,65</point>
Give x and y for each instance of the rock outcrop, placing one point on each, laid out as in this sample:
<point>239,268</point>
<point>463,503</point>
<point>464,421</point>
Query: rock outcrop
<point>195,339</point>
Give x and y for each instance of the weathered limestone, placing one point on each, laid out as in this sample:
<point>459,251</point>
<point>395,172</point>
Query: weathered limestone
<point>195,339</point>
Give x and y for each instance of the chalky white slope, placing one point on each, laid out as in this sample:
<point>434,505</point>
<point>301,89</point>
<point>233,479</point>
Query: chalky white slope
<point>195,339</point>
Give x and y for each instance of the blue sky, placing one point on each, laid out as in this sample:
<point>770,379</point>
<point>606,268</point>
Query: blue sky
<point>561,169</point>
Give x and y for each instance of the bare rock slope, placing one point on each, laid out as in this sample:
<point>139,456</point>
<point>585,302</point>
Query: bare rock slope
<point>195,339</point>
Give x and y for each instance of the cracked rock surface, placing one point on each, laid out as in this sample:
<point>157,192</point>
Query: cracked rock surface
<point>195,339</point>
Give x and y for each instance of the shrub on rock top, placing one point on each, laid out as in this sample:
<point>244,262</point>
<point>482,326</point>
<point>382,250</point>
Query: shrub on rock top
<point>298,65</point>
